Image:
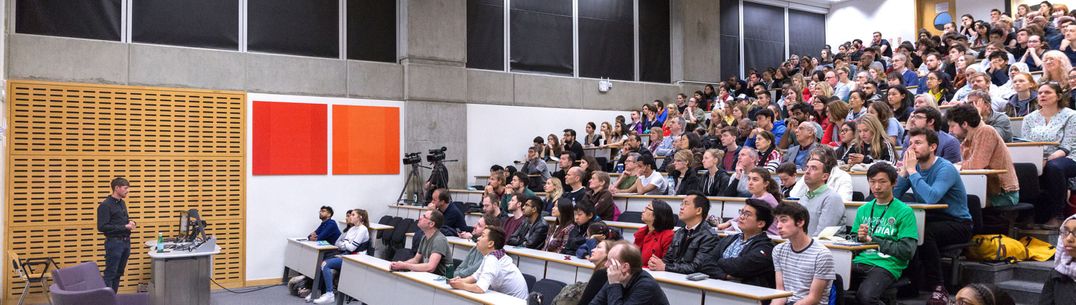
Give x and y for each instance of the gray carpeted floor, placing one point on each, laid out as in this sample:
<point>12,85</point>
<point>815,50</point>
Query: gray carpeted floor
<point>269,296</point>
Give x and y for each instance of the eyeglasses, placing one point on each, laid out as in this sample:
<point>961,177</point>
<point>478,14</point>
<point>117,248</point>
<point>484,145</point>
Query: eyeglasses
<point>746,213</point>
<point>1068,234</point>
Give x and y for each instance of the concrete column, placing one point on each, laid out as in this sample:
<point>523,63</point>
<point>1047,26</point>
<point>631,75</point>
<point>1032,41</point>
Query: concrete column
<point>434,124</point>
<point>696,24</point>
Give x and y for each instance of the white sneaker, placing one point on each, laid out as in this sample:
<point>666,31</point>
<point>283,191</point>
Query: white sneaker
<point>326,298</point>
<point>309,298</point>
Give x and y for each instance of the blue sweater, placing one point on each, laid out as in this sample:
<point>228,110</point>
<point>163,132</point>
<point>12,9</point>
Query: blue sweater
<point>940,184</point>
<point>328,231</point>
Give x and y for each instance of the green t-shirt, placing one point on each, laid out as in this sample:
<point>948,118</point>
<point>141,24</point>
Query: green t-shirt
<point>625,181</point>
<point>895,222</point>
<point>436,244</point>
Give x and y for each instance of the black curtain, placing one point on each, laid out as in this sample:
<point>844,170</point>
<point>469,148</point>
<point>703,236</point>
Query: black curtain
<point>309,27</point>
<point>806,32</point>
<point>193,23</point>
<point>92,19</point>
<point>607,39</point>
<point>371,30</point>
<point>763,36</point>
<point>654,41</point>
<point>730,39</point>
<point>485,34</point>
<point>541,33</point>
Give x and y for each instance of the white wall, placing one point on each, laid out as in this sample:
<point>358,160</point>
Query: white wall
<point>861,18</point>
<point>287,206</point>
<point>980,9</point>
<point>502,134</point>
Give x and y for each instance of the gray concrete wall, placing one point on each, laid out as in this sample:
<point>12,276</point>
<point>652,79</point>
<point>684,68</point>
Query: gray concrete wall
<point>431,76</point>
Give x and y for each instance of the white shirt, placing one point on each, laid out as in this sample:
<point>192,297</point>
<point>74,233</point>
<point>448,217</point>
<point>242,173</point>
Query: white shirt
<point>501,275</point>
<point>840,181</point>
<point>655,179</point>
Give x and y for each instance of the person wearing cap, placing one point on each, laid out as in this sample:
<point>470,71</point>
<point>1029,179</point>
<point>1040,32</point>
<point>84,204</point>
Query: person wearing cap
<point>807,135</point>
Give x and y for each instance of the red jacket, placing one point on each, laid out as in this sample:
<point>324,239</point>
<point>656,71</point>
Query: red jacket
<point>653,243</point>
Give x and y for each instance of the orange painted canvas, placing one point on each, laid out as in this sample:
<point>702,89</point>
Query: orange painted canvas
<point>366,140</point>
<point>290,138</point>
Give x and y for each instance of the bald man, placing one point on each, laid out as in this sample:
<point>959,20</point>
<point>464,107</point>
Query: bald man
<point>573,188</point>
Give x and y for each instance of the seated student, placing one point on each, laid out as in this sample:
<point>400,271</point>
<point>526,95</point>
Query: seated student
<point>654,238</point>
<point>434,254</point>
<point>470,263</point>
<point>983,148</point>
<point>599,195</point>
<point>998,120</point>
<point>650,181</point>
<point>454,220</point>
<point>825,207</point>
<point>930,118</point>
<point>574,191</point>
<point>1060,288</point>
<point>327,230</point>
<point>935,180</point>
<point>890,223</point>
<point>871,144</point>
<point>839,180</point>
<point>715,180</point>
<point>536,166</point>
<point>801,265</point>
<point>628,282</point>
<point>762,186</point>
<point>685,177</point>
<point>764,120</point>
<point>584,216</point>
<point>515,214</point>
<point>738,180</point>
<point>532,233</point>
<point>745,256</point>
<point>490,208</point>
<point>517,185</point>
<point>1060,165</point>
<point>553,191</point>
<point>497,271</point>
<point>626,182</point>
<point>693,245</point>
<point>564,163</point>
<point>786,173</point>
<point>976,294</point>
<point>356,239</point>
<point>563,223</point>
<point>600,277</point>
<point>806,135</point>
<point>596,233</point>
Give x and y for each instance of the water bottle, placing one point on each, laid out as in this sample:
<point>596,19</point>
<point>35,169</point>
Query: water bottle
<point>619,167</point>
<point>160,242</point>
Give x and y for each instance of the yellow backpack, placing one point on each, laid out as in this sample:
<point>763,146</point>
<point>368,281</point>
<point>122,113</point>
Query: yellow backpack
<point>1037,249</point>
<point>996,248</point>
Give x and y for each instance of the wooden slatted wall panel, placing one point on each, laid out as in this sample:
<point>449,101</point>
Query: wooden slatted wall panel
<point>180,148</point>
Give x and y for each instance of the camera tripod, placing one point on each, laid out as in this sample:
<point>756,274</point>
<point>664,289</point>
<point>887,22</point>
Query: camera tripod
<point>414,181</point>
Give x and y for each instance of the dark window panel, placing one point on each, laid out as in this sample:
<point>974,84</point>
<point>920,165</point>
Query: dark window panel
<point>485,34</point>
<point>371,30</point>
<point>541,32</point>
<point>654,44</point>
<point>764,43</point>
<point>806,32</point>
<point>194,23</point>
<point>92,19</point>
<point>730,39</point>
<point>309,27</point>
<point>606,39</point>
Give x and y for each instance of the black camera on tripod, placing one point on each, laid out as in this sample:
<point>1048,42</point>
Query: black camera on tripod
<point>436,154</point>
<point>412,158</point>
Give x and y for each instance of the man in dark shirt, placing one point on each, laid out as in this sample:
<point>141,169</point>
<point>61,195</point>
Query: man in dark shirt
<point>113,221</point>
<point>570,144</point>
<point>566,161</point>
<point>628,282</point>
<point>692,247</point>
<point>454,220</point>
<point>328,230</point>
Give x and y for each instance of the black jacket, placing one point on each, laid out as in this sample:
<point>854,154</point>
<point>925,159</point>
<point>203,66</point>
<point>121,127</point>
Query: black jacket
<point>754,265</point>
<point>1059,289</point>
<point>716,187</point>
<point>576,237</point>
<point>530,235</point>
<point>688,253</point>
<point>454,220</point>
<point>576,149</point>
<point>641,289</point>
<point>689,182</point>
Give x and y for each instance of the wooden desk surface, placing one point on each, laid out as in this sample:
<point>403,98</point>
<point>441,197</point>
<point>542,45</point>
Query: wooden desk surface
<point>379,227</point>
<point>407,207</point>
<point>1021,144</point>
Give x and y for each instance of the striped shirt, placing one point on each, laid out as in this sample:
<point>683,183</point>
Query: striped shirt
<point>798,269</point>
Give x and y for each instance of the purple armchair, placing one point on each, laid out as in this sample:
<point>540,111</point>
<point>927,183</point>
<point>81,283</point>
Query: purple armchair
<point>82,284</point>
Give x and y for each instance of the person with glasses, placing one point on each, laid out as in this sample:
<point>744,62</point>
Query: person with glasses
<point>889,223</point>
<point>1034,54</point>
<point>1055,68</point>
<point>1060,288</point>
<point>655,237</point>
<point>745,256</point>
<point>930,118</point>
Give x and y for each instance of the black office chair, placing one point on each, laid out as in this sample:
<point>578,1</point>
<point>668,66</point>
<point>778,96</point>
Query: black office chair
<point>530,279</point>
<point>836,291</point>
<point>1027,175</point>
<point>858,196</point>
<point>634,217</point>
<point>954,251</point>
<point>549,289</point>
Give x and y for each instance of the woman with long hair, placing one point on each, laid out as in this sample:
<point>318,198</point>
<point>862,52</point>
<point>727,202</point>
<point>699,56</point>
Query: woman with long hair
<point>715,180</point>
<point>598,194</point>
<point>871,144</point>
<point>355,239</point>
<point>553,147</point>
<point>835,114</point>
<point>900,101</point>
<point>1025,98</point>
<point>893,127</point>
<point>1055,68</point>
<point>654,238</point>
<point>563,214</point>
<point>762,186</point>
<point>684,173</point>
<point>848,137</point>
<point>769,157</point>
<point>938,85</point>
<point>925,100</point>
<point>553,190</point>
